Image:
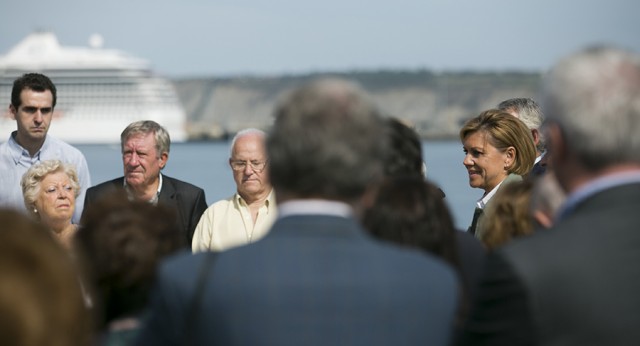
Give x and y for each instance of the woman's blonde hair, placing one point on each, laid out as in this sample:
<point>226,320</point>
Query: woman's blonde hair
<point>505,131</point>
<point>508,215</point>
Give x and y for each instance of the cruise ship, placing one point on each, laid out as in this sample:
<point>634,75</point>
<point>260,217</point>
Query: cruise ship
<point>100,91</point>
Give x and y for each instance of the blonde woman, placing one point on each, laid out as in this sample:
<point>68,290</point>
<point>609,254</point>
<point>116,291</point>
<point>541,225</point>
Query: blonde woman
<point>50,189</point>
<point>498,149</point>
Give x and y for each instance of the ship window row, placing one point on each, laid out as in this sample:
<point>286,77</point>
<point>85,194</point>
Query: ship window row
<point>106,114</point>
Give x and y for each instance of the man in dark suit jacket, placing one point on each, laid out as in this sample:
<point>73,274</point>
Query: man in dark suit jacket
<point>145,152</point>
<point>577,283</point>
<point>317,278</point>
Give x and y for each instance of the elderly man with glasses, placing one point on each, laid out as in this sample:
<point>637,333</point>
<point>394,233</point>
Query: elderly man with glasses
<point>247,215</point>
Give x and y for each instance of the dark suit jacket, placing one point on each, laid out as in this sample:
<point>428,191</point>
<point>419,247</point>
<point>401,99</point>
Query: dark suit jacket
<point>187,200</point>
<point>576,284</point>
<point>472,256</point>
<point>313,280</point>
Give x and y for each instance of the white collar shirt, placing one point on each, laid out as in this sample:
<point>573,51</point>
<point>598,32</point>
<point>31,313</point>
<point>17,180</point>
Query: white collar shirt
<point>228,223</point>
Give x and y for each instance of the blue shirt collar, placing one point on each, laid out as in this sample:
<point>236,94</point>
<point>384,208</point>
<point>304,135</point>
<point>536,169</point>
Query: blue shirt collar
<point>18,153</point>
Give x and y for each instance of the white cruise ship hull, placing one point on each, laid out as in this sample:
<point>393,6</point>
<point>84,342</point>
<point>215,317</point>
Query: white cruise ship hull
<point>99,91</point>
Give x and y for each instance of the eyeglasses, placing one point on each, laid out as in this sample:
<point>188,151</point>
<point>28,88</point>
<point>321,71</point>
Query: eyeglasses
<point>256,166</point>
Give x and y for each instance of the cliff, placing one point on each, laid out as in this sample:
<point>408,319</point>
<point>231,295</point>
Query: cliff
<point>436,104</point>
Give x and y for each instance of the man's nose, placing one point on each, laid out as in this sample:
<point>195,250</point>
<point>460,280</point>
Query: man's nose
<point>38,118</point>
<point>133,159</point>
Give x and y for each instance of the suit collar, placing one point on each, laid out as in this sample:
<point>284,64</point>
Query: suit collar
<point>168,191</point>
<point>155,198</point>
<point>594,188</point>
<point>317,225</point>
<point>482,202</point>
<point>314,207</point>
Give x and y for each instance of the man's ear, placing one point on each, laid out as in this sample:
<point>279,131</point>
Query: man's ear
<point>163,159</point>
<point>13,111</point>
<point>370,195</point>
<point>543,219</point>
<point>536,137</point>
<point>367,200</point>
<point>555,142</point>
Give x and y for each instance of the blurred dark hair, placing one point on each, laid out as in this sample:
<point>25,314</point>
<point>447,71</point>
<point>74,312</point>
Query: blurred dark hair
<point>404,156</point>
<point>122,242</point>
<point>410,211</point>
<point>41,301</point>
<point>327,141</point>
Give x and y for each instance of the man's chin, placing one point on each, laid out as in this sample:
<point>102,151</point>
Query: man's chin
<point>38,134</point>
<point>132,181</point>
<point>250,190</point>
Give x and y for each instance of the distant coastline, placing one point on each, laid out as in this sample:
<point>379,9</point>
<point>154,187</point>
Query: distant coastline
<point>435,104</point>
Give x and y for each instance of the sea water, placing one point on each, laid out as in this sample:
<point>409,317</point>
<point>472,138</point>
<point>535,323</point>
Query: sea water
<point>205,164</point>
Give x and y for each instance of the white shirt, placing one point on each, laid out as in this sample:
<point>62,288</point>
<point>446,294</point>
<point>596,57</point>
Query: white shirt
<point>228,223</point>
<point>314,207</point>
<point>482,202</point>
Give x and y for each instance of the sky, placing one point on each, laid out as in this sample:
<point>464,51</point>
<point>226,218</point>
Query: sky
<point>209,38</point>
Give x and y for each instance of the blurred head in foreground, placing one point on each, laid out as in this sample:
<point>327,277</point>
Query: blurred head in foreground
<point>41,302</point>
<point>327,142</point>
<point>121,243</point>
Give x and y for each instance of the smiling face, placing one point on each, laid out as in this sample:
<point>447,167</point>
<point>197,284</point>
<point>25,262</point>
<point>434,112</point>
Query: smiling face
<point>56,199</point>
<point>487,166</point>
<point>250,150</point>
<point>33,116</point>
<point>142,162</point>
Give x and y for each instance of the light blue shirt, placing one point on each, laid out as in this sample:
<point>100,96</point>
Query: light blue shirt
<point>15,161</point>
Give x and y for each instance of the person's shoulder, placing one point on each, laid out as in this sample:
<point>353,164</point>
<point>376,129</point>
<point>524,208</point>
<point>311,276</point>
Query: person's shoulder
<point>468,240</point>
<point>182,185</point>
<point>5,149</point>
<point>421,263</point>
<point>219,206</point>
<point>512,178</point>
<point>182,264</point>
<point>469,246</point>
<point>57,142</point>
<point>109,184</point>
<point>224,201</point>
<point>69,150</point>
<point>533,254</point>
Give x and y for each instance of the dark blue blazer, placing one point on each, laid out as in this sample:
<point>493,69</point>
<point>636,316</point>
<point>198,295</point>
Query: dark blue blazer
<point>575,284</point>
<point>186,199</point>
<point>313,280</point>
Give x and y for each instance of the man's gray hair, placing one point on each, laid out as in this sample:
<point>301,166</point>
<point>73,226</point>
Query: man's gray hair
<point>244,132</point>
<point>163,141</point>
<point>327,142</point>
<point>529,113</point>
<point>594,96</point>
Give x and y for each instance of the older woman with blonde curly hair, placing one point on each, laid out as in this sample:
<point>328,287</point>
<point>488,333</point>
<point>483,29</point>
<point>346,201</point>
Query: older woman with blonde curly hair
<point>50,189</point>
